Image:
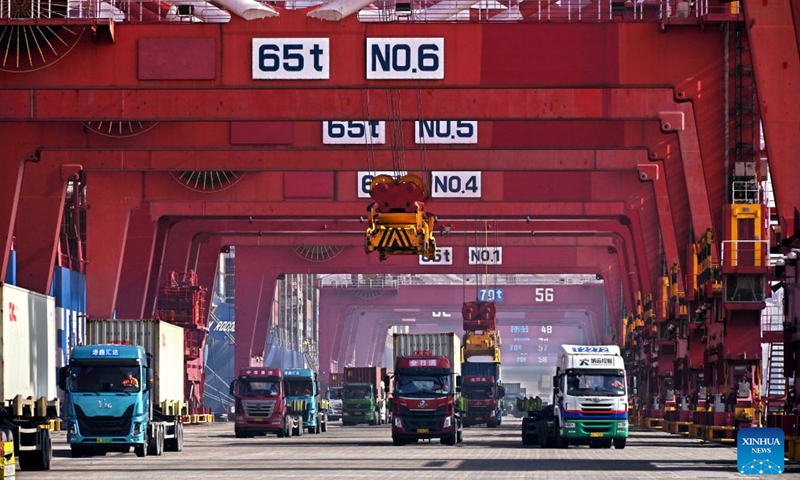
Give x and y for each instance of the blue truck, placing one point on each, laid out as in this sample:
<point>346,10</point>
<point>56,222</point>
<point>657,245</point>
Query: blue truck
<point>125,389</point>
<point>481,387</point>
<point>303,400</point>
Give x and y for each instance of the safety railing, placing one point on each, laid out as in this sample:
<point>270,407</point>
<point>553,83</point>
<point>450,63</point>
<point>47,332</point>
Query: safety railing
<point>744,253</point>
<point>401,11</point>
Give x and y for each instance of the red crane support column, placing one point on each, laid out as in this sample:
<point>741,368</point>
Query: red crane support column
<point>110,197</point>
<point>42,198</point>
<point>10,185</point>
<point>255,290</point>
<point>776,63</point>
<point>136,263</point>
<point>329,326</point>
<point>156,261</point>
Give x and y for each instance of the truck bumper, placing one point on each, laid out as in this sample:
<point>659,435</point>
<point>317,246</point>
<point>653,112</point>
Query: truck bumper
<point>588,429</point>
<point>421,434</point>
<point>355,418</point>
<point>267,425</point>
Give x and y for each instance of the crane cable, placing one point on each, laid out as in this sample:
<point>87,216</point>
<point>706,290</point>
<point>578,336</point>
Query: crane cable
<point>370,145</point>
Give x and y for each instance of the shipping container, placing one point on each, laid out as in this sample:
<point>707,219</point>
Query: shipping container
<point>27,344</point>
<point>337,380</point>
<point>481,369</point>
<point>69,290</point>
<point>371,375</point>
<point>162,340</point>
<point>512,388</point>
<point>431,344</point>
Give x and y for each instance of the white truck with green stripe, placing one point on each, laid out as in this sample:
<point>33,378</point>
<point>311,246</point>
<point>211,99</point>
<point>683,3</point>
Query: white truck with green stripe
<point>590,397</point>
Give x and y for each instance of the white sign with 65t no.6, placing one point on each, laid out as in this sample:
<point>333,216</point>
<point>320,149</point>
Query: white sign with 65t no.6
<point>291,59</point>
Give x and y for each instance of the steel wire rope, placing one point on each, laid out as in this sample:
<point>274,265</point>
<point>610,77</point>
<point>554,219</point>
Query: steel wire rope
<point>372,164</point>
<point>397,127</point>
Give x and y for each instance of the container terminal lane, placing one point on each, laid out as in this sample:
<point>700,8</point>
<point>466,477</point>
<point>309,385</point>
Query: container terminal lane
<point>212,452</point>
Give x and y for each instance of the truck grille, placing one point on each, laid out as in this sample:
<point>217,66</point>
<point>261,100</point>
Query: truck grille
<point>102,426</point>
<point>416,419</point>
<point>254,408</point>
<point>597,408</point>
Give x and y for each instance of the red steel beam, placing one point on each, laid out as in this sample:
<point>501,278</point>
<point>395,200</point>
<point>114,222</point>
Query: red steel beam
<point>135,273</point>
<point>38,226</point>
<point>236,104</point>
<point>10,186</point>
<point>776,63</point>
<point>113,195</point>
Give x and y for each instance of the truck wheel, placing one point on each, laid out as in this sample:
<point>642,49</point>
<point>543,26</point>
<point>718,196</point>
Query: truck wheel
<point>619,443</point>
<point>239,434</point>
<point>314,428</point>
<point>491,424</point>
<point>398,442</point>
<point>140,450</point>
<point>179,438</point>
<point>324,423</point>
<point>34,460</point>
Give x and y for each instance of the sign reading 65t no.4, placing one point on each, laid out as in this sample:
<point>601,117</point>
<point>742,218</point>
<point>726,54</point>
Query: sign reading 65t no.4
<point>291,59</point>
<point>405,58</point>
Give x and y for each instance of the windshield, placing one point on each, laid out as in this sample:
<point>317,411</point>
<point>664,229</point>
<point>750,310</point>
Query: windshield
<point>362,391</point>
<point>261,387</point>
<point>335,393</point>
<point>420,385</point>
<point>104,379</point>
<point>299,387</point>
<point>478,391</point>
<point>599,383</point>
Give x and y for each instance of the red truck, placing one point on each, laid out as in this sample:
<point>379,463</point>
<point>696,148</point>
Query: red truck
<point>261,403</point>
<point>426,376</point>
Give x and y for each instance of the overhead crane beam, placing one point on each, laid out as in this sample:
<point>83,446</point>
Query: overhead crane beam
<point>77,104</point>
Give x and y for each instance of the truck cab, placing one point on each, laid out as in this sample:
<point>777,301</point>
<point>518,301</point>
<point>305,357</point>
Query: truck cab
<point>591,397</point>
<point>483,399</point>
<point>423,405</point>
<point>303,400</point>
<point>335,402</point>
<point>260,403</point>
<point>363,403</point>
<point>109,403</point>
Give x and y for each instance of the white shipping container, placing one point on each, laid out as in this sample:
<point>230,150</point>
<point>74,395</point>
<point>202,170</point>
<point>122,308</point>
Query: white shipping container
<point>27,344</point>
<point>438,344</point>
<point>162,340</point>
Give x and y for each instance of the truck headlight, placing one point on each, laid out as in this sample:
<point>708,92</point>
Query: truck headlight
<point>398,422</point>
<point>569,424</point>
<point>493,414</point>
<point>622,424</point>
<point>73,428</point>
<point>447,422</point>
<point>137,428</point>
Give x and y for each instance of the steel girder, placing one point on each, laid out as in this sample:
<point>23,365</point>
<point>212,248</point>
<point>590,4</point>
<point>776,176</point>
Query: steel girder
<point>773,34</point>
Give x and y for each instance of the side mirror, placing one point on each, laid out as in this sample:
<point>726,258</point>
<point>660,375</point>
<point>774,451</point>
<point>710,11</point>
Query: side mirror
<point>386,380</point>
<point>63,375</point>
<point>150,378</point>
<point>458,381</point>
<point>502,391</point>
<point>232,388</point>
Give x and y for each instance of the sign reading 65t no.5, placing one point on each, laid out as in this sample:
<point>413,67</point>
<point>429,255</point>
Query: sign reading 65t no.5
<point>291,59</point>
<point>405,58</point>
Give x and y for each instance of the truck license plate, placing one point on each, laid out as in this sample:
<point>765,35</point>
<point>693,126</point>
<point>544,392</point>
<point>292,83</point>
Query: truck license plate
<point>358,413</point>
<point>258,419</point>
<point>103,440</point>
<point>478,418</point>
<point>596,434</point>
<point>422,430</point>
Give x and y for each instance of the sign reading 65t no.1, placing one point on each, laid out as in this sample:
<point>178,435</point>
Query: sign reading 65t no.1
<point>291,59</point>
<point>405,58</point>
